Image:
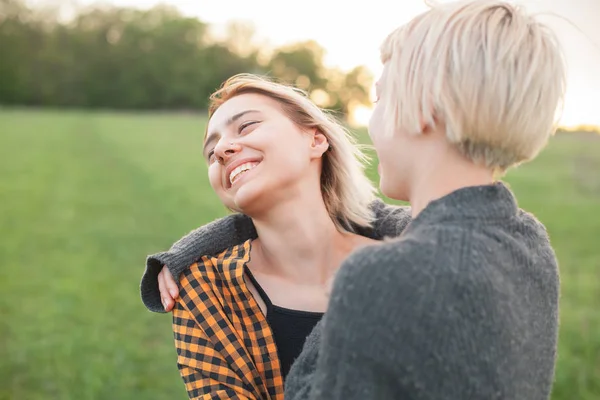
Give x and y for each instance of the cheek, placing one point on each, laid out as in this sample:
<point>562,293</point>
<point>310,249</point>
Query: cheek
<point>214,177</point>
<point>375,122</point>
<point>385,165</point>
<point>390,176</point>
<point>381,142</point>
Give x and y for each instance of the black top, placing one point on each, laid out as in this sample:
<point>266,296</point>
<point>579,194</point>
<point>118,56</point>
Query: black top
<point>290,328</point>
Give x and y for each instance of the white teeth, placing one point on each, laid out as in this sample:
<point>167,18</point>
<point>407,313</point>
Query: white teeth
<point>237,172</point>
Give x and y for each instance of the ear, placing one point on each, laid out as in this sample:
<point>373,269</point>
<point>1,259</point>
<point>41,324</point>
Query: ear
<point>428,127</point>
<point>319,143</point>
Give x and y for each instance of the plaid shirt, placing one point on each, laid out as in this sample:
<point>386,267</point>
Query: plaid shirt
<point>225,346</point>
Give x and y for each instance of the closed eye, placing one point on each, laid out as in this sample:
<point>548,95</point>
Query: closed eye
<point>245,125</point>
<point>210,156</point>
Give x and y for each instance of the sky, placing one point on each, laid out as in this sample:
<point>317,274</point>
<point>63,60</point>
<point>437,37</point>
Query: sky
<point>352,32</point>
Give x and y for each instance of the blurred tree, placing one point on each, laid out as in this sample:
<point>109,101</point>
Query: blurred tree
<point>115,57</point>
<point>350,90</point>
<point>300,64</point>
<point>240,38</point>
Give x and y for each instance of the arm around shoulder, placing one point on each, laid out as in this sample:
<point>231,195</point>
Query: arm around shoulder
<point>390,220</point>
<point>209,239</point>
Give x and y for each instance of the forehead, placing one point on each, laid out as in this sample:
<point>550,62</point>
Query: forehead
<point>241,103</point>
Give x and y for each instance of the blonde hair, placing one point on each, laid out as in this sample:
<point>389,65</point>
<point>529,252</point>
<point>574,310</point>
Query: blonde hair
<point>492,75</point>
<point>347,191</point>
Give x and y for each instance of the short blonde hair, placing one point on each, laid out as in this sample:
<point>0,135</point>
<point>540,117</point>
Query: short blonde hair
<point>490,74</point>
<point>347,191</point>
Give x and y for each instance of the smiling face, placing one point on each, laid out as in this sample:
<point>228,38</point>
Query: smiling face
<point>258,156</point>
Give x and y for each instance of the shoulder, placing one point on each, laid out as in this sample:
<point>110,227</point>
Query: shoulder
<point>405,288</point>
<point>210,278</point>
<point>216,236</point>
<point>388,220</point>
<point>209,240</point>
<point>434,269</point>
<point>531,226</point>
<point>374,278</point>
<point>387,291</point>
<point>377,262</point>
<point>222,266</point>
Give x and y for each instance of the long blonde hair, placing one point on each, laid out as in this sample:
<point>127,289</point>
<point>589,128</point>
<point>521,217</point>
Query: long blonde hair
<point>347,191</point>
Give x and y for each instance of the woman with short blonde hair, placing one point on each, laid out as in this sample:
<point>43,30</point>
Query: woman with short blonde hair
<point>464,304</point>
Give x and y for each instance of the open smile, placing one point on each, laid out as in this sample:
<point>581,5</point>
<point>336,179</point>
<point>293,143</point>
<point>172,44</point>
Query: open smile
<point>237,172</point>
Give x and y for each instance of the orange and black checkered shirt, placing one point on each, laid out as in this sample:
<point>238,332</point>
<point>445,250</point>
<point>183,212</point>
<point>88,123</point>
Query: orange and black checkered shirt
<point>225,347</point>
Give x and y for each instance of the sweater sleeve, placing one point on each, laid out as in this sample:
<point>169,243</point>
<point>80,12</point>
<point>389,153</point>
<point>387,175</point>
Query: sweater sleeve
<point>234,229</point>
<point>209,239</point>
<point>402,326</point>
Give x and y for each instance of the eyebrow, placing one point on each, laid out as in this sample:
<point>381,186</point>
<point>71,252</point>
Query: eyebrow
<point>214,135</point>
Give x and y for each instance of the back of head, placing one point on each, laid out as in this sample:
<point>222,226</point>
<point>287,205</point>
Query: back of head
<point>347,191</point>
<point>485,71</point>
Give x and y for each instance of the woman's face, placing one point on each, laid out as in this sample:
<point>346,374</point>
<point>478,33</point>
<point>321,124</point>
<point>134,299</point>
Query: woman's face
<point>257,156</point>
<point>395,152</point>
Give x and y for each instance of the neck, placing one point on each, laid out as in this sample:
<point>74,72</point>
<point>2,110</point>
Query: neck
<point>449,172</point>
<point>297,239</point>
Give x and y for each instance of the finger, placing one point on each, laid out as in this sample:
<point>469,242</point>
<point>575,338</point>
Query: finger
<point>169,303</point>
<point>164,294</point>
<point>171,285</point>
<point>161,283</point>
<point>167,286</point>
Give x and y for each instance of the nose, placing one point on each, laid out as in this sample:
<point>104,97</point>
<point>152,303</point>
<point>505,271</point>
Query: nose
<point>225,149</point>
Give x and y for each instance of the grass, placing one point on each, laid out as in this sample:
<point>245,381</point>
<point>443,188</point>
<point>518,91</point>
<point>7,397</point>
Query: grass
<point>86,196</point>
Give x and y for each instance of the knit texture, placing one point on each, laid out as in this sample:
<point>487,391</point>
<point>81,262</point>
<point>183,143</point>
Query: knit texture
<point>463,305</point>
<point>226,232</point>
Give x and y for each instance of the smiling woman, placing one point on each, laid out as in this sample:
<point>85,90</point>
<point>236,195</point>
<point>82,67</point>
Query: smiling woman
<point>246,136</point>
<point>235,169</point>
<point>252,286</point>
<point>250,117</point>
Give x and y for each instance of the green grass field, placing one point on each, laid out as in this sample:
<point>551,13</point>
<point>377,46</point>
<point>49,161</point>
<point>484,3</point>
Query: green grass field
<point>86,196</point>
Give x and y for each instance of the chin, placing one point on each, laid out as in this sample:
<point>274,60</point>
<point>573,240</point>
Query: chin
<point>393,191</point>
<point>249,197</point>
<point>242,201</point>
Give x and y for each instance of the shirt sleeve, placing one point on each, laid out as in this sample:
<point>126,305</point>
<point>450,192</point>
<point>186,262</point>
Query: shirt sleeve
<point>205,371</point>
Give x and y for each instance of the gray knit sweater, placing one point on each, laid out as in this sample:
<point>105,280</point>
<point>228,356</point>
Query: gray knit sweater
<point>229,231</point>
<point>464,305</point>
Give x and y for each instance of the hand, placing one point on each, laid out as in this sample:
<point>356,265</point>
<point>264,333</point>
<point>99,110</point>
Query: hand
<point>168,289</point>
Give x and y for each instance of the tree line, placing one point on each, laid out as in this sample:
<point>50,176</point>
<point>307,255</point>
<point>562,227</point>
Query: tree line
<point>126,58</point>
